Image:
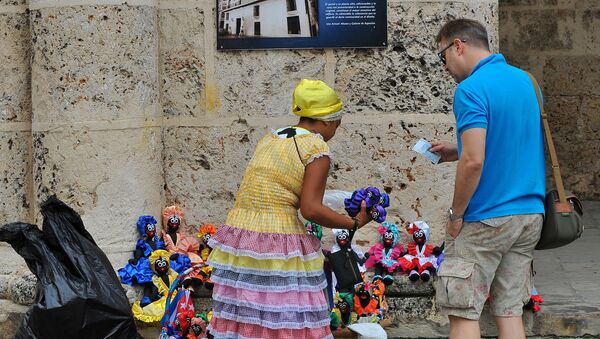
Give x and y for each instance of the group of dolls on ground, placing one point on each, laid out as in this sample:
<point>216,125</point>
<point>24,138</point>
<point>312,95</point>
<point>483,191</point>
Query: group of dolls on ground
<point>158,261</point>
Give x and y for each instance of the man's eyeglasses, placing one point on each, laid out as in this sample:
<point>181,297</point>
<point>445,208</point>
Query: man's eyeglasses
<point>442,55</point>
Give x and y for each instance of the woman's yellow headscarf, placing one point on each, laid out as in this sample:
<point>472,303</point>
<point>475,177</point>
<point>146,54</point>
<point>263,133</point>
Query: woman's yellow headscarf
<point>314,99</point>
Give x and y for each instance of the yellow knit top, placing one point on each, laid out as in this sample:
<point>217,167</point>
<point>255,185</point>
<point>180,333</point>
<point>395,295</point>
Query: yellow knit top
<point>269,195</point>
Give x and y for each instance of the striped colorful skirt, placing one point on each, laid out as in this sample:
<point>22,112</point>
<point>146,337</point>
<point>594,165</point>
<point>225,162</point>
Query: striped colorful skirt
<point>267,285</point>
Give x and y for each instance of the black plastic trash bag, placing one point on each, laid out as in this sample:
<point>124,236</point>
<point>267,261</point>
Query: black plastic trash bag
<point>78,293</point>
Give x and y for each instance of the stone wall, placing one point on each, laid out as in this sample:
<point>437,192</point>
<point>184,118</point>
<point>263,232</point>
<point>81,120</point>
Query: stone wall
<point>559,42</point>
<point>121,107</point>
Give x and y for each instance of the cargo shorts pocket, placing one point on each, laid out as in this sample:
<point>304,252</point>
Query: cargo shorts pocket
<point>454,286</point>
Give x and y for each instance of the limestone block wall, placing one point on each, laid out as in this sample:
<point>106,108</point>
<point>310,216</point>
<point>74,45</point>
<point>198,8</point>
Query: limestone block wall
<point>559,41</point>
<point>122,107</point>
<point>96,123</point>
<point>217,105</point>
<point>15,129</point>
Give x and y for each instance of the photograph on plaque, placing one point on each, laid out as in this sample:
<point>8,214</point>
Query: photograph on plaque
<point>266,24</point>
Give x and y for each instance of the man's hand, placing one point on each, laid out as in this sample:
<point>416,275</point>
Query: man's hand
<point>447,150</point>
<point>454,227</point>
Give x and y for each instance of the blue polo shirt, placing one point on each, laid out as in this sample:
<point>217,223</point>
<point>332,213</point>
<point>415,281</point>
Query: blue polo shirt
<point>501,98</point>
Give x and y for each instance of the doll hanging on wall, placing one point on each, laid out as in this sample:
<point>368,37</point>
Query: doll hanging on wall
<point>421,261</point>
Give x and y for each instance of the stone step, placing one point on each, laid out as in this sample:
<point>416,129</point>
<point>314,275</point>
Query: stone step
<point>411,317</point>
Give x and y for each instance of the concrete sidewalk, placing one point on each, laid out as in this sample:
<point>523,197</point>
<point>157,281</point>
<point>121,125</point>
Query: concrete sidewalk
<point>568,278</point>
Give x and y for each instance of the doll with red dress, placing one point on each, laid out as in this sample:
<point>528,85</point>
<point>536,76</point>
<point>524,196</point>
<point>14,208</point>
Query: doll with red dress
<point>421,261</point>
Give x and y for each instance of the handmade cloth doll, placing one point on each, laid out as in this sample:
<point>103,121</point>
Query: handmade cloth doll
<point>314,229</point>
<point>343,242</point>
<point>534,301</point>
<point>365,305</point>
<point>383,256</point>
<point>421,260</point>
<point>345,261</point>
<point>138,270</point>
<point>178,242</point>
<point>375,201</point>
<point>378,292</point>
<point>152,306</point>
<point>344,310</point>
<point>197,329</point>
<point>204,233</point>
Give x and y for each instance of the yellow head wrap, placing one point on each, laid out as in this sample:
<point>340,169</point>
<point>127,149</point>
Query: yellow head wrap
<point>156,255</point>
<point>314,99</point>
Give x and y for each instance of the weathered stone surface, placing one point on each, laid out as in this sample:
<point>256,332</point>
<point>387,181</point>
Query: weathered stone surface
<point>408,76</point>
<point>12,2</point>
<point>382,157</point>
<point>181,44</point>
<point>572,75</point>
<point>546,30</point>
<point>94,63</point>
<point>15,182</point>
<point>110,178</point>
<point>204,167</point>
<point>579,167</point>
<point>590,34</point>
<point>563,116</point>
<point>15,90</point>
<point>260,83</point>
<point>10,318</point>
<point>22,289</point>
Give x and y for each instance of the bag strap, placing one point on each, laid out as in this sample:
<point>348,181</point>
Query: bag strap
<point>555,168</point>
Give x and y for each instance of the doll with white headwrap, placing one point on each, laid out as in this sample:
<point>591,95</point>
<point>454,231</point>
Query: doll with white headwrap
<point>348,265</point>
<point>383,256</point>
<point>421,261</point>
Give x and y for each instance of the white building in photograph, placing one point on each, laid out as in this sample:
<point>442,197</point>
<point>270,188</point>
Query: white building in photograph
<point>268,18</point>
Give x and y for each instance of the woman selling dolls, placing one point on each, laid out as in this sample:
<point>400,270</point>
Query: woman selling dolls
<point>268,273</point>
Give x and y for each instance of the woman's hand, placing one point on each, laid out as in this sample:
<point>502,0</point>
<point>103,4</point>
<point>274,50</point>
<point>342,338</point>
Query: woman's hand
<point>447,150</point>
<point>363,217</point>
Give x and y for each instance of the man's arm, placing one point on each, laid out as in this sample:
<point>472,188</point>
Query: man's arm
<point>468,173</point>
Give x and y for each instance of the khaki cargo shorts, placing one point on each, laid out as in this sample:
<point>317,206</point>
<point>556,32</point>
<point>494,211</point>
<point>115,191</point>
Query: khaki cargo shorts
<point>488,258</point>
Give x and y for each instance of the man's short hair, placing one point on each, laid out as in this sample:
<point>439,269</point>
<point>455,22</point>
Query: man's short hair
<point>465,29</point>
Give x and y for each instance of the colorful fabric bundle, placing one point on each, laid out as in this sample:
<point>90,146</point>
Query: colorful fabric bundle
<point>376,203</point>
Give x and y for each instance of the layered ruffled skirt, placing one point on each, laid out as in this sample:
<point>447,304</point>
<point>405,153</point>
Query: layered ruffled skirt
<point>267,285</point>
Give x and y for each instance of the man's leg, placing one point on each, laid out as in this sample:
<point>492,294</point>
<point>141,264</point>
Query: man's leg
<point>511,287</point>
<point>461,328</point>
<point>510,328</point>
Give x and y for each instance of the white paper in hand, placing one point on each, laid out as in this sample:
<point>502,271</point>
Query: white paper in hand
<point>422,147</point>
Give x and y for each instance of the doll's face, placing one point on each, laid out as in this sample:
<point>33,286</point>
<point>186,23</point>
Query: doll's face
<point>150,230</point>
<point>206,238</point>
<point>419,237</point>
<point>161,265</point>
<point>342,238</point>
<point>363,294</point>
<point>388,238</point>
<point>197,329</point>
<point>343,306</point>
<point>174,222</point>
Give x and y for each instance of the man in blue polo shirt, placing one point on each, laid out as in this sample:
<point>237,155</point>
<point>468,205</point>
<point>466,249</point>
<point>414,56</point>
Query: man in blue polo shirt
<point>496,214</point>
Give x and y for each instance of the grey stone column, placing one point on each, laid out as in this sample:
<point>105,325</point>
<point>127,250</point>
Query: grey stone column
<point>96,125</point>
<point>15,129</point>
